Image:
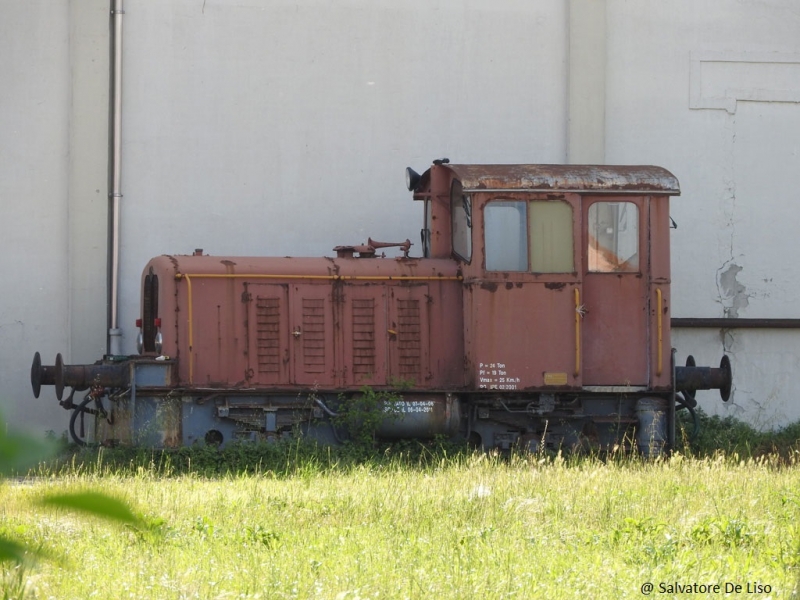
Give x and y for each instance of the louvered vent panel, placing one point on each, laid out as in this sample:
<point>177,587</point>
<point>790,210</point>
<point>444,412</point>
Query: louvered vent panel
<point>314,335</point>
<point>409,338</point>
<point>364,337</point>
<point>268,319</point>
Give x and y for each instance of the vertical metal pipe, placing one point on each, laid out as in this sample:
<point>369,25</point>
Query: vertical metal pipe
<point>115,333</point>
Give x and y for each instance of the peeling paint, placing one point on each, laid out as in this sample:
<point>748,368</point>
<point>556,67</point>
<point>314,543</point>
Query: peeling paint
<point>733,294</point>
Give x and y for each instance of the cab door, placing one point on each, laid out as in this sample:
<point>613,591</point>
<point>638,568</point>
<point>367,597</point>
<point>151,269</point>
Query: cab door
<point>615,299</point>
<point>522,331</point>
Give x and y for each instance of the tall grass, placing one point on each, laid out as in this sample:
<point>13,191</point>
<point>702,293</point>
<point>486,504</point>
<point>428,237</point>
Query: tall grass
<point>447,525</point>
<point>732,436</point>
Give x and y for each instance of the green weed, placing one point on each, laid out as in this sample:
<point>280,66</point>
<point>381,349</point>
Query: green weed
<point>363,414</point>
<point>731,436</point>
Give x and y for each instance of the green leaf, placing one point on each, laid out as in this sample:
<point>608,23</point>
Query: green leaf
<point>11,551</point>
<point>19,452</point>
<point>95,504</point>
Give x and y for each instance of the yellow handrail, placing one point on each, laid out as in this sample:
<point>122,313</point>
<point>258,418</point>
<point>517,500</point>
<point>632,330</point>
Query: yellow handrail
<point>180,276</point>
<point>191,331</point>
<point>577,332</point>
<point>660,329</point>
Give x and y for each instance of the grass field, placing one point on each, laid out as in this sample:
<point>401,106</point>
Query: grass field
<point>470,526</point>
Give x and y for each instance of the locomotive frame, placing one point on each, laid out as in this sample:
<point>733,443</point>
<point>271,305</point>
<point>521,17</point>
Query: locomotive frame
<point>538,316</point>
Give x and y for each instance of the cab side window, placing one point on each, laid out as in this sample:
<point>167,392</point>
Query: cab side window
<point>506,236</point>
<point>551,237</point>
<point>534,236</point>
<point>425,233</point>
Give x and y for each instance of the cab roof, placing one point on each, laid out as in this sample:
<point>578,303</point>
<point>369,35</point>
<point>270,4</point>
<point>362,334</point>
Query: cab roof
<point>598,179</point>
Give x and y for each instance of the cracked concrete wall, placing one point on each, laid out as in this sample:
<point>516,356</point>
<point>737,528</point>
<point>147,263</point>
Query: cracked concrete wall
<point>714,95</point>
<point>733,295</point>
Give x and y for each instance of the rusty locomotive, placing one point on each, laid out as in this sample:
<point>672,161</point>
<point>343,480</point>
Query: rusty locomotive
<point>537,316</point>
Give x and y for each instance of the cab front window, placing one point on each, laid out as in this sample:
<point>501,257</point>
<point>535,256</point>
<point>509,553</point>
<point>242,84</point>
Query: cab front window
<point>613,236</point>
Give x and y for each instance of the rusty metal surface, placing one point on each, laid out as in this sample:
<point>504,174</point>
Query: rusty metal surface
<point>530,331</point>
<point>283,323</point>
<point>615,325</point>
<point>520,336</point>
<point>615,329</point>
<point>599,179</point>
<point>659,290</point>
<point>292,267</point>
<point>79,377</point>
<point>41,375</point>
<point>691,378</point>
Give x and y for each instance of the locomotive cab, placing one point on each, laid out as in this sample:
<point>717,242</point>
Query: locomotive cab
<point>566,294</point>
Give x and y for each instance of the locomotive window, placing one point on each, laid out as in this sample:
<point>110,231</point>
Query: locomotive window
<point>149,311</point>
<point>613,234</point>
<point>506,236</point>
<point>461,215</point>
<point>551,237</point>
<point>425,234</point>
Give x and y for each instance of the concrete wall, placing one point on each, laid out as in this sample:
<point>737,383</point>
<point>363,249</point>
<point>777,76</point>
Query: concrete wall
<point>34,175</point>
<point>712,92</point>
<point>53,190</point>
<point>284,128</point>
<point>287,131</point>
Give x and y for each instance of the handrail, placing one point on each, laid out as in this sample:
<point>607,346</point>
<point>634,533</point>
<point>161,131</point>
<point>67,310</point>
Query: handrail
<point>660,329</point>
<point>179,276</point>
<point>578,314</point>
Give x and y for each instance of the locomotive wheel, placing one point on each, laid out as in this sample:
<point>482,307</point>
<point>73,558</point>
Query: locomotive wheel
<point>528,443</point>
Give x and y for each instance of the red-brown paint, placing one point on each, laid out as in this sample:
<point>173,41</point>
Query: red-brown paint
<point>433,323</point>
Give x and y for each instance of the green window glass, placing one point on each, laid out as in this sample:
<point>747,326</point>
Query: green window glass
<point>550,225</point>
